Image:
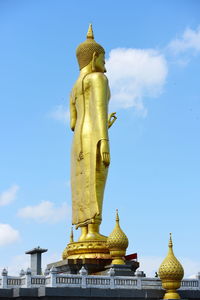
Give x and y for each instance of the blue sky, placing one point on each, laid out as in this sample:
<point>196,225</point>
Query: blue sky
<point>153,58</point>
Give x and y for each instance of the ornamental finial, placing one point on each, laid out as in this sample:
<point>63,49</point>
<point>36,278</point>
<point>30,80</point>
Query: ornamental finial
<point>72,236</point>
<point>117,216</point>
<point>170,241</point>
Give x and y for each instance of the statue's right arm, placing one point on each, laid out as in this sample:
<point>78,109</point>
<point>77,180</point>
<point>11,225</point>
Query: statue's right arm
<point>111,119</point>
<point>73,113</point>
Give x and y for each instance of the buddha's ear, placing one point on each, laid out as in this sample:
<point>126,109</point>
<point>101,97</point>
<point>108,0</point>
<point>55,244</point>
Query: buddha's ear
<point>94,56</point>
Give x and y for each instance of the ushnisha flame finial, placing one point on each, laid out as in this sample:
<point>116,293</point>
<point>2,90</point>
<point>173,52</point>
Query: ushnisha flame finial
<point>90,34</point>
<point>171,273</point>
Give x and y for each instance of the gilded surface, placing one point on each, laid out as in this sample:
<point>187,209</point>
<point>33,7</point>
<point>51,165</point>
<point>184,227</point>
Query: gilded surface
<point>90,156</point>
<point>117,239</point>
<point>171,273</point>
<point>117,243</point>
<point>87,249</point>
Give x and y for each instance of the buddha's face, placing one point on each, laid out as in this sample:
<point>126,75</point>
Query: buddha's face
<point>100,63</point>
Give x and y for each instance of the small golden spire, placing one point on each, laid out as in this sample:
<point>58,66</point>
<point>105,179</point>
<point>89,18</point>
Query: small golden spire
<point>171,273</point>
<point>170,240</point>
<point>90,34</point>
<point>117,243</point>
<point>117,216</point>
<point>72,236</point>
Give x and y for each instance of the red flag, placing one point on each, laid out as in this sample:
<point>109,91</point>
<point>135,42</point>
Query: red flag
<point>131,256</point>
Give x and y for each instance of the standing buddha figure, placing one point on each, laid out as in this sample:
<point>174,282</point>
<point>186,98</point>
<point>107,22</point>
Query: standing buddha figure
<point>90,156</point>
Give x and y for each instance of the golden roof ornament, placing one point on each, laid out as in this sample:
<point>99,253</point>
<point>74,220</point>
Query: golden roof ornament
<point>72,236</point>
<point>171,273</point>
<point>64,254</point>
<point>117,243</point>
<point>85,50</point>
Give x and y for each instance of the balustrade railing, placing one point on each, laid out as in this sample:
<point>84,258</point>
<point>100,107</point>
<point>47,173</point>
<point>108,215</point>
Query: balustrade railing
<point>83,280</point>
<point>97,280</point>
<point>190,284</point>
<point>125,282</point>
<point>13,281</point>
<point>68,280</point>
<point>151,283</point>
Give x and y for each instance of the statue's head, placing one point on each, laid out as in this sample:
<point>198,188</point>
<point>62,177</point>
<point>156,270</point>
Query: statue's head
<point>91,52</point>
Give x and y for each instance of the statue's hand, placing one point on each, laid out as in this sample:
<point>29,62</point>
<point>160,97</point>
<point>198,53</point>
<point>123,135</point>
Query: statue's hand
<point>111,119</point>
<point>105,152</point>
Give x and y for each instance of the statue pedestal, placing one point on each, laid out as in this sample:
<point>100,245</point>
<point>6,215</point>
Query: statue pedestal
<point>87,250</point>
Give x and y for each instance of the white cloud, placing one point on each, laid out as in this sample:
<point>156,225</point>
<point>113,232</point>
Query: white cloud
<point>134,74</point>
<point>60,113</point>
<point>8,235</point>
<point>45,211</point>
<point>190,41</point>
<point>8,196</point>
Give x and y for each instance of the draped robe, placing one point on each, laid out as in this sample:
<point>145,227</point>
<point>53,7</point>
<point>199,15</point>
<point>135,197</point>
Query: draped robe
<point>89,106</point>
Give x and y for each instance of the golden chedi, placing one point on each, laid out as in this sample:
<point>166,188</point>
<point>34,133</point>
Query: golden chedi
<point>171,273</point>
<point>117,244</point>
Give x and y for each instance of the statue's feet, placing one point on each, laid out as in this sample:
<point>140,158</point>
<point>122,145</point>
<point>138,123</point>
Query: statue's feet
<point>84,231</point>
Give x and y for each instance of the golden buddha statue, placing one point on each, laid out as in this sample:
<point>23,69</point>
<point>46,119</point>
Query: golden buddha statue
<point>90,156</point>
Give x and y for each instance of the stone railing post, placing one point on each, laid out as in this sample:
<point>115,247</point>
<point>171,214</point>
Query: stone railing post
<point>28,278</point>
<point>139,283</point>
<point>46,272</point>
<point>111,273</point>
<point>83,272</point>
<point>4,279</point>
<point>140,275</point>
<point>53,276</point>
